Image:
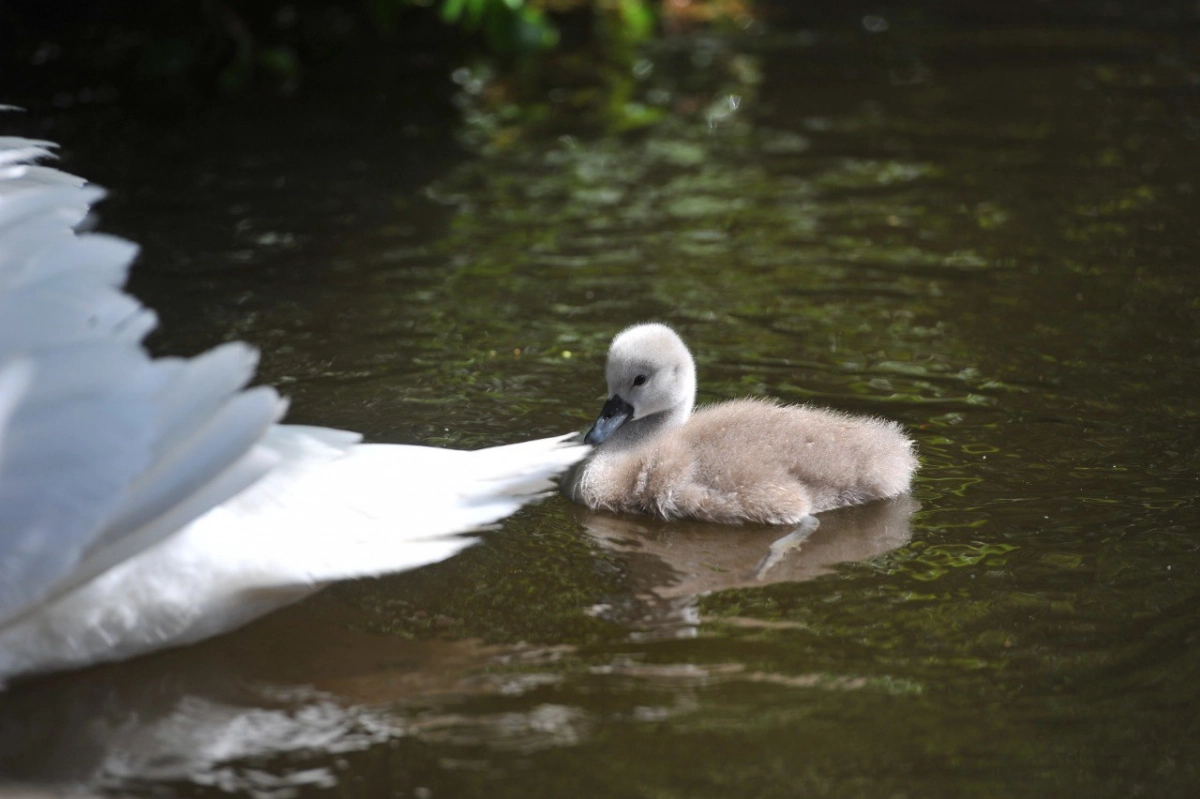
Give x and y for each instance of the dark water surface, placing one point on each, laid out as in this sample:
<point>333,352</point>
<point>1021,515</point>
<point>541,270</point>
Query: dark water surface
<point>987,233</point>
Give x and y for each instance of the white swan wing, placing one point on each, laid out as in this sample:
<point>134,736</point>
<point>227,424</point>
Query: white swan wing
<point>329,509</point>
<point>153,502</point>
<point>100,455</point>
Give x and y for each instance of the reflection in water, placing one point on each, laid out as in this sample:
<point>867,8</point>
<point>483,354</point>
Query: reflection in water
<point>301,683</point>
<point>672,564</point>
<point>304,684</point>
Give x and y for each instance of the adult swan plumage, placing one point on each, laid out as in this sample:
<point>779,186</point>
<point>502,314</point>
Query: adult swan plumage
<point>149,502</point>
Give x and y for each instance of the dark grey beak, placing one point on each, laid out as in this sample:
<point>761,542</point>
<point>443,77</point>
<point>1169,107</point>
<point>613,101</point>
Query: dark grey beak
<point>614,414</point>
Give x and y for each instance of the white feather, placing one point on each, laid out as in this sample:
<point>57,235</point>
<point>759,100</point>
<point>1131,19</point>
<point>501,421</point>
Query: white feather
<point>153,502</point>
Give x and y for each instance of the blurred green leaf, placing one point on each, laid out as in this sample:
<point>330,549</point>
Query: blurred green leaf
<point>637,19</point>
<point>452,10</point>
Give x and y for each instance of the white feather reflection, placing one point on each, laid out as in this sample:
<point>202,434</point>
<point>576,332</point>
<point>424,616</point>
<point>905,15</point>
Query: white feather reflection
<point>263,713</point>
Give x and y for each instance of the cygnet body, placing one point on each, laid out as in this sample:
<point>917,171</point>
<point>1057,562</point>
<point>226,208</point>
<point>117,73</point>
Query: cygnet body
<point>747,460</point>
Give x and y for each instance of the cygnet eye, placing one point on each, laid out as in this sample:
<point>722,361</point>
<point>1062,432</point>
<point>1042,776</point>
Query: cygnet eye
<point>639,380</point>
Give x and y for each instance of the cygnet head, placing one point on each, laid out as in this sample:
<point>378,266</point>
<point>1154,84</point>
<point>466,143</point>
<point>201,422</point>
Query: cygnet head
<point>651,383</point>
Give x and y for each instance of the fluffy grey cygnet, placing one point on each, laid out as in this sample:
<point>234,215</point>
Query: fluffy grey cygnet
<point>747,460</point>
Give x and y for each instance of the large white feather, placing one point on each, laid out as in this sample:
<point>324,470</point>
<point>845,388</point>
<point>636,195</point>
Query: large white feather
<point>153,502</point>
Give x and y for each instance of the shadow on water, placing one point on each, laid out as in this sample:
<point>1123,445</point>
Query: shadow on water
<point>986,233</point>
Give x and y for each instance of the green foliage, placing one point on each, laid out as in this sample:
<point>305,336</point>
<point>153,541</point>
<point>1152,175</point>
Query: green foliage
<point>520,27</point>
<point>635,20</point>
<point>508,27</point>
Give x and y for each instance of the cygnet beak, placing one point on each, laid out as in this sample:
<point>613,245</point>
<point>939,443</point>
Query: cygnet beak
<point>614,414</point>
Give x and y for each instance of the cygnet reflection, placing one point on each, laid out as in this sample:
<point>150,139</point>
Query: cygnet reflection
<point>673,563</point>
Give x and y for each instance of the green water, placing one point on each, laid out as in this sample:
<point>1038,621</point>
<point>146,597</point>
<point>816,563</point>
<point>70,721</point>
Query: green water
<point>986,233</point>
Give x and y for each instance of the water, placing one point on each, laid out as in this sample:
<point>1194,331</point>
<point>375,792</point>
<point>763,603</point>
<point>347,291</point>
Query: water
<point>985,233</point>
